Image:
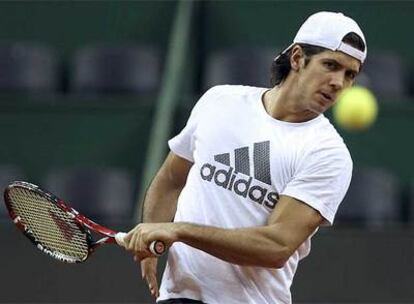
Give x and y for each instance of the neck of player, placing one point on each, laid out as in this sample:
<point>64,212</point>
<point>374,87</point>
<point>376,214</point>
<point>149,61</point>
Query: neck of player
<point>286,102</point>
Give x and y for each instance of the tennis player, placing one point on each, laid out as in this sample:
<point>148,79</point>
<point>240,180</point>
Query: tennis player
<point>252,176</point>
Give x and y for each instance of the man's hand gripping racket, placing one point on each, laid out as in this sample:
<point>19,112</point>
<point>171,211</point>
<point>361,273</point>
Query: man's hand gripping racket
<point>57,229</point>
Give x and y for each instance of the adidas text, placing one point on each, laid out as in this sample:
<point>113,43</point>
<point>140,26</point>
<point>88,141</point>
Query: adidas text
<point>230,180</point>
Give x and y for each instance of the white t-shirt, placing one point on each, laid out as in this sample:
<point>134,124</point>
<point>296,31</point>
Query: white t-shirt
<point>243,160</point>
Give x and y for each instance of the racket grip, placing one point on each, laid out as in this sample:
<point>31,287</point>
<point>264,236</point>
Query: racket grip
<point>157,248</point>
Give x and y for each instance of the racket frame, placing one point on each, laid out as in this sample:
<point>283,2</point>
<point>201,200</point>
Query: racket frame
<point>83,223</point>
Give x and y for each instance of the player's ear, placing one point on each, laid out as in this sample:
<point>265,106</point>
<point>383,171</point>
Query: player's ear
<point>297,58</point>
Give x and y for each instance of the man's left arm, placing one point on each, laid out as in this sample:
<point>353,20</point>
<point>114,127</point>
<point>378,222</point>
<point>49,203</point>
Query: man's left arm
<point>271,245</point>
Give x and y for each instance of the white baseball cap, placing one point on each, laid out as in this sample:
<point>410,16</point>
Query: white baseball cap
<point>327,29</point>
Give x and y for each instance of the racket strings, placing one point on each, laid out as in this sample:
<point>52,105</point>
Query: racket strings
<point>50,226</point>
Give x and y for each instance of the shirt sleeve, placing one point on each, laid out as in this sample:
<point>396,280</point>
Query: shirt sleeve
<point>322,180</point>
<point>183,143</point>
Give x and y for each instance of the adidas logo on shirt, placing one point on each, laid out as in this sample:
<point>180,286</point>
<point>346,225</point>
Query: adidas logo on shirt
<point>239,180</point>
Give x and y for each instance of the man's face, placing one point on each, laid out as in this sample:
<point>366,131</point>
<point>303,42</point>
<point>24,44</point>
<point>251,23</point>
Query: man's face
<point>324,77</point>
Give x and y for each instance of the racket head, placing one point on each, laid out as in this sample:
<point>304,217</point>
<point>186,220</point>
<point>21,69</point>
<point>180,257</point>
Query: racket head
<point>48,222</point>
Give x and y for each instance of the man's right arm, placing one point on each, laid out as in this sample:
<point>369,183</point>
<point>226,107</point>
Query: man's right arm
<point>160,205</point>
<point>160,201</point>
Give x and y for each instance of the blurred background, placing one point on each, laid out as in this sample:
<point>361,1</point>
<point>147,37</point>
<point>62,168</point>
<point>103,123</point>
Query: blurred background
<point>90,91</point>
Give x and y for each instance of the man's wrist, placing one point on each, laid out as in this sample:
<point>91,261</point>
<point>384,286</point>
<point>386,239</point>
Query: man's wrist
<point>180,231</point>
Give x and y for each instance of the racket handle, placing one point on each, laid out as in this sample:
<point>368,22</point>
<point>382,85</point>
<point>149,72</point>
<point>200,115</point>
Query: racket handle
<point>157,248</point>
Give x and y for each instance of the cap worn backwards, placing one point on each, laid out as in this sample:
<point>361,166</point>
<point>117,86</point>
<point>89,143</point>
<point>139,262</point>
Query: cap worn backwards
<point>327,29</point>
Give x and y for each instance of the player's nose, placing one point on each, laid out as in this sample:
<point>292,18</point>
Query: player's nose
<point>336,81</point>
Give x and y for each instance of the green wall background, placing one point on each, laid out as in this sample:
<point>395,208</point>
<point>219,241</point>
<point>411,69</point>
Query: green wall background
<point>386,24</point>
<point>67,132</point>
<point>45,132</point>
<point>70,24</point>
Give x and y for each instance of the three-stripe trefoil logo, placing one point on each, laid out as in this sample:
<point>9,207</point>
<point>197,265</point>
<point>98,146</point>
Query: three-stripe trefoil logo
<point>238,179</point>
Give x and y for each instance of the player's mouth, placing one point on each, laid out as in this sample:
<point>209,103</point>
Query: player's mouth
<point>327,98</point>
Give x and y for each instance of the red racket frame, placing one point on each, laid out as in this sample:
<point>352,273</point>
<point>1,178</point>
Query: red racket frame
<point>84,224</point>
<point>82,221</point>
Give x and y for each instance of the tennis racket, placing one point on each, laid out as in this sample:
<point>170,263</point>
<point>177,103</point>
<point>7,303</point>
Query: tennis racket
<point>57,229</point>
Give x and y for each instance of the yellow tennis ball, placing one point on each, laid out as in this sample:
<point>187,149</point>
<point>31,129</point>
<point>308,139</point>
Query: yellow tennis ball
<point>356,109</point>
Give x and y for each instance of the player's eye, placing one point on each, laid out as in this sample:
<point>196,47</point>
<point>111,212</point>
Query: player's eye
<point>350,75</point>
<point>330,65</point>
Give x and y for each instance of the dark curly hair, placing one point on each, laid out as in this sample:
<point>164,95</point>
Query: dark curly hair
<point>281,65</point>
